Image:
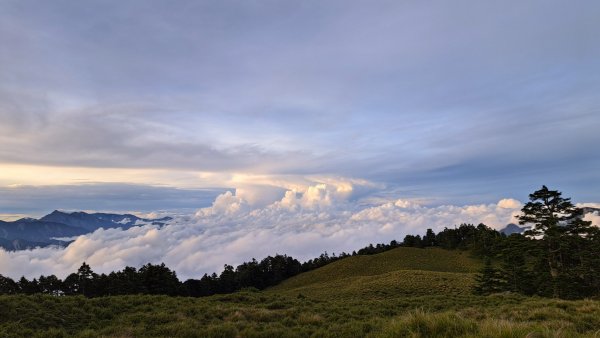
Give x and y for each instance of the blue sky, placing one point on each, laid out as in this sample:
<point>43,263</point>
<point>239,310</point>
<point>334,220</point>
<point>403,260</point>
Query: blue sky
<point>454,102</point>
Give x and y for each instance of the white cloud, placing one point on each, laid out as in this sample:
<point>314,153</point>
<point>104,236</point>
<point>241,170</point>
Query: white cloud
<point>509,203</point>
<point>226,203</point>
<point>302,222</point>
<point>11,217</point>
<point>593,217</point>
<point>588,205</point>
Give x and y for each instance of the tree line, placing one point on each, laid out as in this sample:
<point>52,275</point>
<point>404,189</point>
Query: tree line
<point>558,257</point>
<point>158,279</point>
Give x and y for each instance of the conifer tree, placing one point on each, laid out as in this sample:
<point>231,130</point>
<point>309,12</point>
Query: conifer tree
<point>8,286</point>
<point>554,218</point>
<point>489,280</point>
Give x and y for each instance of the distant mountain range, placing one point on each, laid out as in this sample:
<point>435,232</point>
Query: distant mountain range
<point>590,210</point>
<point>512,228</point>
<point>27,233</point>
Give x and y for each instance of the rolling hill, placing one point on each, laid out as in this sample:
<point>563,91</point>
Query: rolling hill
<point>398,272</point>
<point>404,292</point>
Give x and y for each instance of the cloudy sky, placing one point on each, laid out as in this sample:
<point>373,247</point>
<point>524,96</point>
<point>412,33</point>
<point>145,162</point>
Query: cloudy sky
<point>179,107</point>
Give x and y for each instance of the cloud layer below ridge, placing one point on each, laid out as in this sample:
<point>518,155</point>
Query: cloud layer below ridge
<point>302,222</point>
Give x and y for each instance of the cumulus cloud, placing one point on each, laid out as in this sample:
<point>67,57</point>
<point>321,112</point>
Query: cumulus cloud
<point>225,204</point>
<point>588,205</point>
<point>509,203</point>
<point>593,217</point>
<point>301,222</point>
<point>412,218</point>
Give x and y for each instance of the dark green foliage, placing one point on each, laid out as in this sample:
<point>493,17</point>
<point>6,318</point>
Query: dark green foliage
<point>514,252</point>
<point>28,287</point>
<point>373,249</point>
<point>325,259</point>
<point>85,281</point>
<point>413,241</point>
<point>8,286</point>
<point>481,240</point>
<point>546,210</point>
<point>158,280</point>
<point>268,272</point>
<point>125,282</point>
<point>429,239</point>
<point>489,280</point>
<point>50,285</point>
<point>227,280</point>
<point>567,249</point>
<point>559,257</point>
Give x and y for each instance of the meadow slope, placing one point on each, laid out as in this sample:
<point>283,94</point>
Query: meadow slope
<point>398,272</point>
<point>404,292</point>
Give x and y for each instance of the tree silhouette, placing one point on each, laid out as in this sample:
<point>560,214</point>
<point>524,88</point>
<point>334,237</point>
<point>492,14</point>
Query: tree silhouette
<point>8,286</point>
<point>554,218</point>
<point>489,279</point>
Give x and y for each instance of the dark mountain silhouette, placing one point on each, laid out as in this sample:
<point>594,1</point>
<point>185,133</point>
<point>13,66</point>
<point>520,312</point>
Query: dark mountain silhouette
<point>54,228</point>
<point>590,210</point>
<point>95,221</point>
<point>28,233</point>
<point>512,228</point>
<point>22,244</point>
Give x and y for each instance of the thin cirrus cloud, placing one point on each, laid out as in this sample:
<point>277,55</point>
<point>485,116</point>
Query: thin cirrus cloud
<point>38,201</point>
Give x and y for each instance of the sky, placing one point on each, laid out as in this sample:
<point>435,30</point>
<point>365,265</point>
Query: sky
<point>160,107</point>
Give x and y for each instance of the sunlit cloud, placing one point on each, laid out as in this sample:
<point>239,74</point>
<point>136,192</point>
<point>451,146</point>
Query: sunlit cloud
<point>11,217</point>
<point>15,175</point>
<point>301,223</point>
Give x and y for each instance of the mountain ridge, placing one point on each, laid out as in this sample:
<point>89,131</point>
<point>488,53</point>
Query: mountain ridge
<point>28,233</point>
<point>513,228</point>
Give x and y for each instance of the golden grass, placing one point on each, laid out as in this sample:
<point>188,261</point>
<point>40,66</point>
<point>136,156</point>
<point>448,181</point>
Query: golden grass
<point>398,272</point>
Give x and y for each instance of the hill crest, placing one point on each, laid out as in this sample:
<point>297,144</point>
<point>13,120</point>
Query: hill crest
<point>403,270</point>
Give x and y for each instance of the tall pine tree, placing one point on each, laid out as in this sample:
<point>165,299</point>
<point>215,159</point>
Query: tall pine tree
<point>555,219</point>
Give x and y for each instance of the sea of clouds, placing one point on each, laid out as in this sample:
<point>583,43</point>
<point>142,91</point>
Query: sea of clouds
<point>301,220</point>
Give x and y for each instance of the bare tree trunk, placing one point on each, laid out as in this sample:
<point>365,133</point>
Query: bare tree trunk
<point>554,269</point>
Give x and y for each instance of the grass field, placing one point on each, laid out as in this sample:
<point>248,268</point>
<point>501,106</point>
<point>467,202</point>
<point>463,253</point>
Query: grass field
<point>256,314</point>
<point>393,294</point>
<point>398,272</point>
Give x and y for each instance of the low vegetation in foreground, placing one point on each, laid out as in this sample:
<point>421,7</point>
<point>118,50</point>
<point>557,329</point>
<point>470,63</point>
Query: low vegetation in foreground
<point>397,293</point>
<point>269,314</point>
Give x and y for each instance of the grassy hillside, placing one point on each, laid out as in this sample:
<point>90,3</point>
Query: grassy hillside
<point>398,272</point>
<point>404,292</point>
